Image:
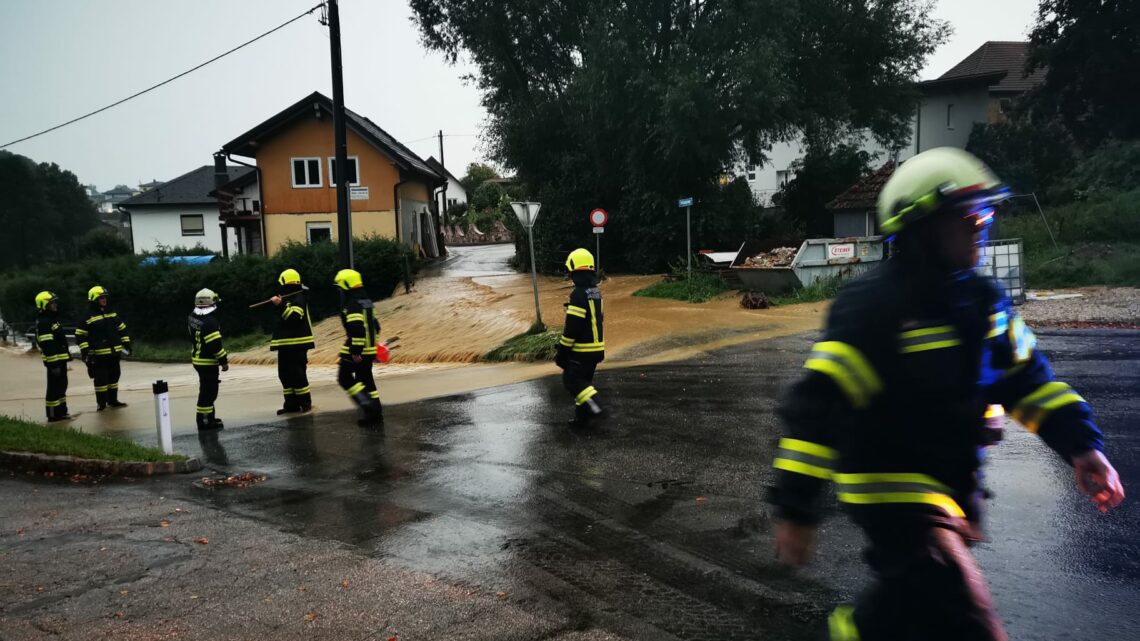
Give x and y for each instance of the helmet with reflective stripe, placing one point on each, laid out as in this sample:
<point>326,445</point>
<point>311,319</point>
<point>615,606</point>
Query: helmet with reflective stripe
<point>44,298</point>
<point>205,298</point>
<point>944,178</point>
<point>289,277</point>
<point>579,259</point>
<point>96,292</point>
<point>347,279</point>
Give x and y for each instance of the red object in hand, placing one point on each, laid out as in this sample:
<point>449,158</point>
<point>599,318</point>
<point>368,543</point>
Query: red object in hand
<point>382,352</point>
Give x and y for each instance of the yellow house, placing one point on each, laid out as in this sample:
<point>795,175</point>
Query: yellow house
<point>294,197</point>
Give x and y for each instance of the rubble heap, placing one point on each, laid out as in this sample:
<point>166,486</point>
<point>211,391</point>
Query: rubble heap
<point>778,257</point>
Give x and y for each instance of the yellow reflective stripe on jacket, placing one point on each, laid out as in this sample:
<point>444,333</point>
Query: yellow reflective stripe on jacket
<point>928,338</point>
<point>80,332</point>
<point>212,336</point>
<point>293,309</point>
<point>848,368</point>
<point>574,310</point>
<point>565,341</point>
<point>299,340</point>
<point>1036,407</point>
<point>55,358</point>
<point>594,323</point>
<point>599,346</point>
<point>43,338</point>
<point>805,457</point>
<point>841,624</point>
<point>895,488</point>
<point>355,317</point>
<point>1022,339</point>
<point>103,351</point>
<point>999,323</point>
<point>203,361</point>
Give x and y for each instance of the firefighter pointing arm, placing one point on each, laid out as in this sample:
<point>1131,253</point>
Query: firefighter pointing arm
<point>891,408</point>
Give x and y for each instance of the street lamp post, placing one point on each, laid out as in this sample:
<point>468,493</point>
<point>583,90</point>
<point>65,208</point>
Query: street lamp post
<point>527,213</point>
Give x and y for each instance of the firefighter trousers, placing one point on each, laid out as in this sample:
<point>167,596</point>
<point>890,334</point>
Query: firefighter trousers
<point>208,384</point>
<point>357,381</point>
<point>927,586</point>
<point>106,371</point>
<point>55,401</point>
<point>578,378</point>
<point>292,370</point>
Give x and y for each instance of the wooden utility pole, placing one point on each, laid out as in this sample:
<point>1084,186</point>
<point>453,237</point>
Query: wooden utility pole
<point>340,170</point>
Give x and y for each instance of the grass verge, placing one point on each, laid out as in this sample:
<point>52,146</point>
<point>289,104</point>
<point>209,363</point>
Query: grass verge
<point>17,435</point>
<point>821,289</point>
<point>528,346</point>
<point>179,352</point>
<point>704,287</point>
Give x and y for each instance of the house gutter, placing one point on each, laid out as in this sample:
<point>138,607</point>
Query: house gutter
<point>396,205</point>
<point>130,223</point>
<point>261,196</point>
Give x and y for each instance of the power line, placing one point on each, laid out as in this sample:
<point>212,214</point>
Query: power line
<point>164,82</point>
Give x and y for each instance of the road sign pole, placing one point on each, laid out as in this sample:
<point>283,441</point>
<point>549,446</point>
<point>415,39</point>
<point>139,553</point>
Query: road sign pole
<point>689,247</point>
<point>598,254</point>
<point>534,275</point>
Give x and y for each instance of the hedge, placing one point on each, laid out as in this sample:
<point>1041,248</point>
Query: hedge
<point>154,300</point>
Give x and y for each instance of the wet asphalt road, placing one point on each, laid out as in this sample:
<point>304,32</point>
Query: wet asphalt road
<point>653,525</point>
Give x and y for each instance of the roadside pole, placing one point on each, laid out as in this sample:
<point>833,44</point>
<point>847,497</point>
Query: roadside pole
<point>340,170</point>
<point>687,203</point>
<point>527,213</point>
<point>598,219</point>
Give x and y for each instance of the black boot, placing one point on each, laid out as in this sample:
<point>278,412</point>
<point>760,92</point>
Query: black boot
<point>586,413</point>
<point>113,398</point>
<point>207,422</point>
<point>100,401</point>
<point>373,415</point>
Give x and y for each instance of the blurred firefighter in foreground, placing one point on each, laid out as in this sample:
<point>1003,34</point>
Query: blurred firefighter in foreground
<point>892,410</point>
<point>582,346</point>
<point>358,317</point>
<point>292,340</point>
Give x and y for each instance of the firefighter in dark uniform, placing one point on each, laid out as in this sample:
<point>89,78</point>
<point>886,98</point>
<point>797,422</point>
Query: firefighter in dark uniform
<point>359,350</point>
<point>53,350</point>
<point>892,409</point>
<point>208,356</point>
<point>582,344</point>
<point>292,340</point>
<point>103,341</point>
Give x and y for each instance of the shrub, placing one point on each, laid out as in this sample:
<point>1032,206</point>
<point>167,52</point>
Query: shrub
<point>155,299</point>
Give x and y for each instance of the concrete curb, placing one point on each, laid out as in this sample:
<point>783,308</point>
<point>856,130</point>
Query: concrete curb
<point>72,465</point>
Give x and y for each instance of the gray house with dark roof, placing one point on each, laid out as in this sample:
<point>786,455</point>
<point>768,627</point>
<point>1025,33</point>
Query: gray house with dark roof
<point>179,212</point>
<point>979,89</point>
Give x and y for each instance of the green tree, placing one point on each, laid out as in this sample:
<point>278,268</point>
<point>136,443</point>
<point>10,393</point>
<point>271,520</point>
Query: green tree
<point>102,242</point>
<point>629,105</point>
<point>43,211</point>
<point>1029,156</point>
<point>821,175</point>
<point>477,174</point>
<point>1089,50</point>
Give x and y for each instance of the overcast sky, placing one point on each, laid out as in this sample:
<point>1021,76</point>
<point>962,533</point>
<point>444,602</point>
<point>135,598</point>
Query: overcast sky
<point>62,58</point>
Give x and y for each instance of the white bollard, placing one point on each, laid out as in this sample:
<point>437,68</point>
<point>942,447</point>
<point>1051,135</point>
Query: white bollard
<point>162,416</point>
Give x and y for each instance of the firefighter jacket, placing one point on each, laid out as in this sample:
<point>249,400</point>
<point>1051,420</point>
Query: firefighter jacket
<point>891,406</point>
<point>360,325</point>
<point>51,339</point>
<point>582,334</point>
<point>102,333</point>
<point>295,329</point>
<point>206,336</point>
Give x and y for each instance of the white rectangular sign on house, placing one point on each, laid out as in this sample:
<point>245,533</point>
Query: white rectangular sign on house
<point>358,193</point>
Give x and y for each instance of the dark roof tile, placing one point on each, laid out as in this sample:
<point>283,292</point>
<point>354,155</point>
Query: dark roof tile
<point>998,56</point>
<point>864,194</point>
<point>191,188</point>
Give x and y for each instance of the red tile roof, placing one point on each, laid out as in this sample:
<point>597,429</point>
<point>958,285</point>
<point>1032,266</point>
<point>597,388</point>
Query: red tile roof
<point>864,194</point>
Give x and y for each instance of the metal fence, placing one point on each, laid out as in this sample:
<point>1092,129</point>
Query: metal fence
<point>1003,260</point>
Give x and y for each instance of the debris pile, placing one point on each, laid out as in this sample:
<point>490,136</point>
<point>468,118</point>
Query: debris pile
<point>238,480</point>
<point>755,300</point>
<point>778,257</point>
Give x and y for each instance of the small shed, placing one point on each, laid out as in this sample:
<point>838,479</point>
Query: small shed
<point>853,211</point>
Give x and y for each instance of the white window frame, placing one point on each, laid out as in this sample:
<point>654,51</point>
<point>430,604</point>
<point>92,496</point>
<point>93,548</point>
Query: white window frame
<point>783,177</point>
<point>310,226</point>
<point>306,159</point>
<point>182,224</point>
<point>751,173</point>
<point>332,176</point>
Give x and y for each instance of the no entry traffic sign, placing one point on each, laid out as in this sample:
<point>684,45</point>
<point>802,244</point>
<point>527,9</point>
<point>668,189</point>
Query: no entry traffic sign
<point>598,218</point>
